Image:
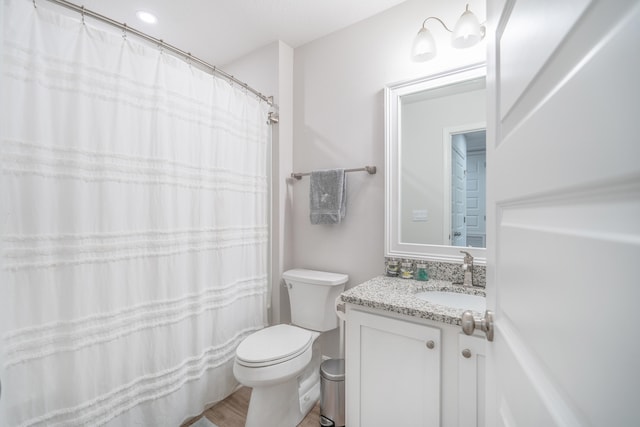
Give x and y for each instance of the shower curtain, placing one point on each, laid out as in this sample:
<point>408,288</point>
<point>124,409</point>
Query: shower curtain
<point>133,226</point>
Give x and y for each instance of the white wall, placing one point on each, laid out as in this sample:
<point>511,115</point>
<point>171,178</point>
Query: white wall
<point>338,122</point>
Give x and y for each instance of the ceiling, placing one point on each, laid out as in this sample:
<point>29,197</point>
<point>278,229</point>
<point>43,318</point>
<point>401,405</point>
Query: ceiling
<point>220,31</point>
<point>476,140</point>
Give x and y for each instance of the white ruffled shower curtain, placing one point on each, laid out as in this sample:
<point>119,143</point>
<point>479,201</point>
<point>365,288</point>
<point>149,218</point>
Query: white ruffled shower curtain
<point>133,226</point>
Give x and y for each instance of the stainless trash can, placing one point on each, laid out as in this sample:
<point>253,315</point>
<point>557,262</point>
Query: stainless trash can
<point>332,393</point>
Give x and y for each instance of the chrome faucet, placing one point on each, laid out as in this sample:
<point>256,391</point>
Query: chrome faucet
<point>467,266</point>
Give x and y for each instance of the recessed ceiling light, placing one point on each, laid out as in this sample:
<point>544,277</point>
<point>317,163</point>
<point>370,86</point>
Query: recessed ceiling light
<point>147,17</point>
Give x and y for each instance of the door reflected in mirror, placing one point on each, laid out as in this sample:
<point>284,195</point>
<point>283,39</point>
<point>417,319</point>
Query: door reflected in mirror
<point>468,189</point>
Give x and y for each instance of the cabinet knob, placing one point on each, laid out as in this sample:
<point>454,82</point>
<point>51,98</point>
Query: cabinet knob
<point>430,344</point>
<point>466,353</point>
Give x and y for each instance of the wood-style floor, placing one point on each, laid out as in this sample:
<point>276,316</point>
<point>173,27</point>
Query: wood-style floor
<point>232,412</point>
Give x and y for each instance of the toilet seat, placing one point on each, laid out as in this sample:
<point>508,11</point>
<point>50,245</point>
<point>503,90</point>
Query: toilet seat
<point>273,345</point>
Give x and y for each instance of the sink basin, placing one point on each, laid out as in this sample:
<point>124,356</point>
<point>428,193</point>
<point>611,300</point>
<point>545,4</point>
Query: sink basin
<point>454,299</point>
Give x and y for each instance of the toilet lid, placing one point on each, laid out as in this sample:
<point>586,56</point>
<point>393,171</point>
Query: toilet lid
<point>273,345</point>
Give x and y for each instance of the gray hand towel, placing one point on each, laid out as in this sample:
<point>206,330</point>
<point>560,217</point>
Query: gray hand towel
<point>327,196</point>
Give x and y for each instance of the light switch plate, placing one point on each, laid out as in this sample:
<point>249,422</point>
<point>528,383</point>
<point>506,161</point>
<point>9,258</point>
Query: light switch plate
<point>420,215</point>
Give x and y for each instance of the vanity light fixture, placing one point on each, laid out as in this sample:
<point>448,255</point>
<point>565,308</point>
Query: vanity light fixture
<point>466,33</point>
<point>146,17</point>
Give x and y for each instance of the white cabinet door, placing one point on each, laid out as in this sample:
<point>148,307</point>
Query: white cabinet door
<point>392,376</point>
<point>564,190</point>
<point>471,381</point>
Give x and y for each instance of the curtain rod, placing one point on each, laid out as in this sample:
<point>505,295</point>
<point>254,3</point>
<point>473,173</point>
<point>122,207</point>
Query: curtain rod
<point>161,43</point>
<point>370,169</point>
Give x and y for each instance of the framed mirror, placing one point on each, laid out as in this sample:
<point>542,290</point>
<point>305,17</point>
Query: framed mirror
<point>435,132</point>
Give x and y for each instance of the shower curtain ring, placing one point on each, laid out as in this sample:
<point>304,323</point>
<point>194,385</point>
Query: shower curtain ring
<point>82,13</point>
<point>35,6</point>
<point>124,31</point>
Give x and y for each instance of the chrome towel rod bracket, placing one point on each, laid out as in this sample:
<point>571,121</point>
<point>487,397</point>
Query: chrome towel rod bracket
<point>371,170</point>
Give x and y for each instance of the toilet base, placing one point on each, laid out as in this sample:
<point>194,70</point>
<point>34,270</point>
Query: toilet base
<point>275,406</point>
<point>286,404</point>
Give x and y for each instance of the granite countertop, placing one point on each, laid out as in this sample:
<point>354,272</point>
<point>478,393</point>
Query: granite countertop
<point>397,295</point>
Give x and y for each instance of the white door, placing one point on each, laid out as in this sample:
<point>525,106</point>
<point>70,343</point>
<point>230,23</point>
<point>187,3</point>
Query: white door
<point>563,171</point>
<point>476,199</point>
<point>458,190</point>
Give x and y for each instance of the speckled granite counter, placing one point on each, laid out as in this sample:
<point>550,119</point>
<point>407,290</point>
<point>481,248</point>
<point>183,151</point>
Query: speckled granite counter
<point>397,295</point>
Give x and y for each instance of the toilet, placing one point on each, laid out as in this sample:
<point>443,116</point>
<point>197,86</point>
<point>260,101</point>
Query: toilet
<point>282,362</point>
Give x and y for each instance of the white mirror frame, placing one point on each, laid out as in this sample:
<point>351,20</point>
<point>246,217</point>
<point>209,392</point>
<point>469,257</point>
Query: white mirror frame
<point>393,93</point>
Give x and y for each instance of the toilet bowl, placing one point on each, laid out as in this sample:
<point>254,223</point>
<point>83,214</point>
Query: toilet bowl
<point>274,354</point>
<point>282,362</point>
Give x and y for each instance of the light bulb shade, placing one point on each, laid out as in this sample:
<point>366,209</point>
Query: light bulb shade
<point>146,17</point>
<point>467,31</point>
<point>424,46</point>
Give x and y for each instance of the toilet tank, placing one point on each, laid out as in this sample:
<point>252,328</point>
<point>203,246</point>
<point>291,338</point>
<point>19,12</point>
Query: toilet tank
<point>312,296</point>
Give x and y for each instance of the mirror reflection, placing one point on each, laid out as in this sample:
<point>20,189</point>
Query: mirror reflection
<point>442,165</point>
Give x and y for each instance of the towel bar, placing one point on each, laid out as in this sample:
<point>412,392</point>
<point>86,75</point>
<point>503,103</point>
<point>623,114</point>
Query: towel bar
<point>369,169</point>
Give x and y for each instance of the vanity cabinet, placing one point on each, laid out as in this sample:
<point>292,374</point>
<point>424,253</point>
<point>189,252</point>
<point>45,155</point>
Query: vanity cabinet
<point>405,371</point>
<point>471,380</point>
<point>392,372</point>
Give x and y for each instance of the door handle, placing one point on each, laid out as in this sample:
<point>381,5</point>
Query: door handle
<point>457,234</point>
<point>469,323</point>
